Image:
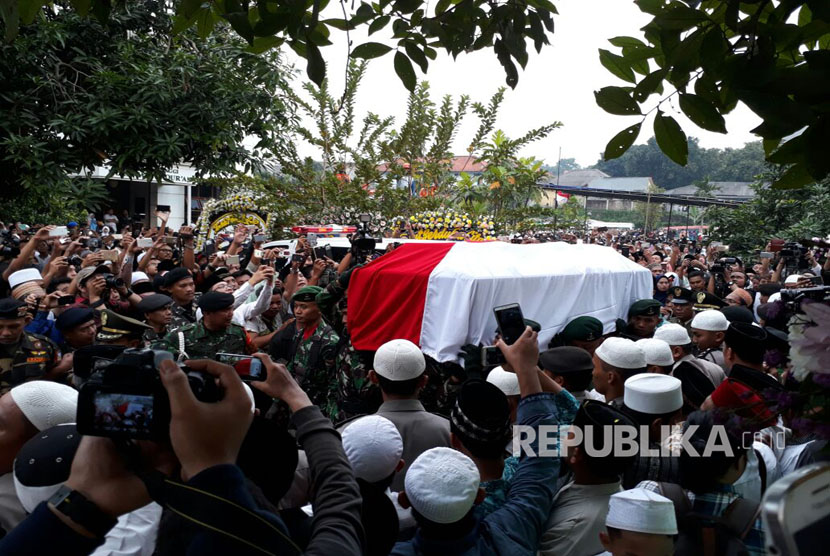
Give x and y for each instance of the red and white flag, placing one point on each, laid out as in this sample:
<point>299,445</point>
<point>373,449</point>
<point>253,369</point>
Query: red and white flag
<point>441,295</point>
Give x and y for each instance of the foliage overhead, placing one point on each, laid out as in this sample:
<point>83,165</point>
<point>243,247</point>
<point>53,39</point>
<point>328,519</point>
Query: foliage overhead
<point>75,94</point>
<point>414,30</point>
<point>727,164</point>
<point>772,56</point>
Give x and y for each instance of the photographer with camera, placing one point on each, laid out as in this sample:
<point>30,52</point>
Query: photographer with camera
<point>205,436</point>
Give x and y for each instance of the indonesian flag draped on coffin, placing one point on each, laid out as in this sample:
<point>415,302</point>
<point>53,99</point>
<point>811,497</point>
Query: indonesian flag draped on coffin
<point>441,295</point>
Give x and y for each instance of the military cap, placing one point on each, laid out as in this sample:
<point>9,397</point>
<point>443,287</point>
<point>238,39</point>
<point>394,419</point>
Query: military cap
<point>706,300</point>
<point>175,275</point>
<point>737,313</point>
<point>154,302</point>
<point>565,360</point>
<point>696,385</point>
<point>11,309</point>
<point>307,294</point>
<point>644,308</point>
<point>680,295</point>
<point>585,329</point>
<point>215,301</point>
<point>74,316</point>
<point>115,326</point>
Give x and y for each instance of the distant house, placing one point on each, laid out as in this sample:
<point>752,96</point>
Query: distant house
<point>458,164</point>
<point>725,190</point>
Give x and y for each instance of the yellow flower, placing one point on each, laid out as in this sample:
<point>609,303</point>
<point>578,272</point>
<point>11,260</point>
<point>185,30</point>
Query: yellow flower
<point>495,185</point>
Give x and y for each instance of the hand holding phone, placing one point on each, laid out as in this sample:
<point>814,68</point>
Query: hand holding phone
<point>511,322</point>
<point>58,231</point>
<point>232,259</point>
<point>247,367</point>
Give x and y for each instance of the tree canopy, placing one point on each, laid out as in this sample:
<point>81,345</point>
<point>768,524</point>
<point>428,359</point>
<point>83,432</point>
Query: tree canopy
<point>75,94</point>
<point>415,29</point>
<point>729,164</point>
<point>771,55</point>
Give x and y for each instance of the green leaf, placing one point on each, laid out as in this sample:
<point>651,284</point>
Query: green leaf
<point>316,67</point>
<point>340,24</point>
<point>617,65</point>
<point>652,7</point>
<point>616,100</point>
<point>702,113</point>
<point>101,10</point>
<point>263,44</point>
<point>405,71</point>
<point>11,18</point>
<point>671,139</point>
<point>680,17</point>
<point>379,24</point>
<point>769,146</point>
<point>416,55</point>
<point>369,50</point>
<point>796,176</point>
<point>29,10</point>
<point>650,84</point>
<point>204,22</point>
<point>626,41</point>
<point>621,142</point>
<point>180,23</point>
<point>442,6</point>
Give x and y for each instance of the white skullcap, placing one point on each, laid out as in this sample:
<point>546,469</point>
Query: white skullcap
<point>374,447</point>
<point>23,276</point>
<point>711,320</point>
<point>399,360</point>
<point>504,381</point>
<point>138,276</point>
<point>653,393</point>
<point>45,403</point>
<point>442,485</point>
<point>673,334</point>
<point>641,511</point>
<point>621,353</point>
<point>657,352</point>
<point>791,280</point>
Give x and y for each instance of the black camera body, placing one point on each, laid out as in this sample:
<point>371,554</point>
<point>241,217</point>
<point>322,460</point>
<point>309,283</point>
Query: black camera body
<point>124,398</point>
<point>9,245</point>
<point>114,282</point>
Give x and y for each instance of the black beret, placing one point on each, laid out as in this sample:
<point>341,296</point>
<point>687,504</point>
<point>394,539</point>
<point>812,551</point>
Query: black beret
<point>215,301</point>
<point>738,314</point>
<point>566,360</point>
<point>114,326</point>
<point>706,300</point>
<point>175,275</point>
<point>481,412</point>
<point>167,264</point>
<point>696,385</point>
<point>142,287</point>
<point>154,302</point>
<point>778,340</point>
<point>644,308</point>
<point>769,289</point>
<point>158,282</point>
<point>11,309</point>
<point>72,317</point>
<point>46,459</point>
<point>681,295</point>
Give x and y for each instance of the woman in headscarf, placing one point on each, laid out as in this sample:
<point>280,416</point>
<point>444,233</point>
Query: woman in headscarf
<point>661,288</point>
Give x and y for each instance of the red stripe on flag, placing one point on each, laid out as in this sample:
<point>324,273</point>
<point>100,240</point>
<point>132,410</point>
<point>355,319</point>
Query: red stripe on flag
<point>387,296</point>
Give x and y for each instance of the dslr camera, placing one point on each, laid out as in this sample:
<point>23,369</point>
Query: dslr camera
<point>364,241</point>
<point>9,245</point>
<point>124,398</point>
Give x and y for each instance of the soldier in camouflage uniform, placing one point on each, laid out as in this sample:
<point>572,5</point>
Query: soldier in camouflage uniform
<point>23,355</point>
<point>178,283</point>
<point>157,311</point>
<point>313,351</point>
<point>215,333</point>
<point>355,393</point>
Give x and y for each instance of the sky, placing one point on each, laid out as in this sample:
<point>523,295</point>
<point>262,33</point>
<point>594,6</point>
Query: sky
<point>556,85</point>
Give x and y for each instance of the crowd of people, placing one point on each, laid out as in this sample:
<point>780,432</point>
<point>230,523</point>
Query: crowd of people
<point>334,450</point>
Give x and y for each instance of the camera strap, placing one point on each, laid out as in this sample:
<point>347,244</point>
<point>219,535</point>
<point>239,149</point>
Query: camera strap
<point>222,516</point>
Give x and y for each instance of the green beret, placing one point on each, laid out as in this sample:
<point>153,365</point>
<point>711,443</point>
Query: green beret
<point>307,294</point>
<point>585,329</point>
<point>644,308</point>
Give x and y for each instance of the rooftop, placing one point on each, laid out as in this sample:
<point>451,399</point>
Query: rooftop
<point>725,190</point>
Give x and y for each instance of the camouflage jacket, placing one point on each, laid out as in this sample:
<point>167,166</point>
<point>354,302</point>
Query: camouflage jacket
<point>356,395</point>
<point>183,314</point>
<point>32,357</point>
<point>312,365</point>
<point>201,343</point>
